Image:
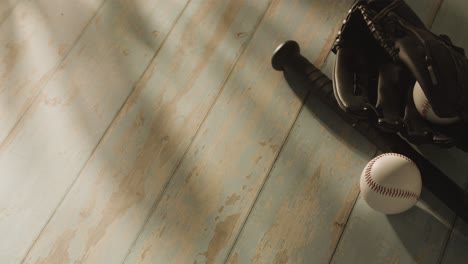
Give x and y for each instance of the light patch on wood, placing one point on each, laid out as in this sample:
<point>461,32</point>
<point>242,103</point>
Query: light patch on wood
<point>322,57</point>
<point>222,28</point>
<point>233,259</point>
<point>195,172</point>
<point>222,234</point>
<point>62,49</point>
<point>342,215</point>
<point>10,59</point>
<point>145,251</point>
<point>232,199</point>
<point>241,34</point>
<point>286,235</point>
<point>264,143</point>
<point>274,148</point>
<point>59,252</point>
<point>281,257</point>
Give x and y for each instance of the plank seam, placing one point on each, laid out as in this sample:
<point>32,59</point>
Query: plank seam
<point>443,252</point>
<point>347,219</point>
<point>284,142</point>
<point>181,159</point>
<point>436,11</point>
<point>270,169</point>
<point>53,72</point>
<point>132,245</point>
<point>456,218</point>
<point>107,129</point>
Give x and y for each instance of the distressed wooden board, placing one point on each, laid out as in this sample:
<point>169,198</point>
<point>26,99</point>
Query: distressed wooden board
<point>108,205</point>
<point>35,37</point>
<point>56,136</point>
<point>211,193</point>
<point>300,213</point>
<point>295,218</point>
<point>415,236</point>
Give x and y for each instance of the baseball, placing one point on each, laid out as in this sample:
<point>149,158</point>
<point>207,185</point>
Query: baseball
<point>425,109</point>
<point>391,183</point>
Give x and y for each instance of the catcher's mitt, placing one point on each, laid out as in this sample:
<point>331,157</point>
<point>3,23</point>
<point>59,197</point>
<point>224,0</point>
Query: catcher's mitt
<point>383,49</point>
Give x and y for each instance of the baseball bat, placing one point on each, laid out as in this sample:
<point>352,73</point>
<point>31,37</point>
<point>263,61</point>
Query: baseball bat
<point>288,59</point>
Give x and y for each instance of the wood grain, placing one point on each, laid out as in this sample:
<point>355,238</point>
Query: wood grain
<point>35,38</point>
<point>415,236</point>
<point>49,146</point>
<point>303,207</point>
<point>306,202</point>
<point>114,195</point>
<point>210,195</point>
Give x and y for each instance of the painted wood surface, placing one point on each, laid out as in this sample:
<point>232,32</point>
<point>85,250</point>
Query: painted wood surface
<point>202,147</point>
<point>213,189</point>
<point>415,236</point>
<point>48,148</point>
<point>36,36</point>
<point>303,207</point>
<point>114,195</point>
<point>269,235</point>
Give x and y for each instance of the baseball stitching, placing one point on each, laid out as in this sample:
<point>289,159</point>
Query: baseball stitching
<point>392,192</point>
<point>425,108</point>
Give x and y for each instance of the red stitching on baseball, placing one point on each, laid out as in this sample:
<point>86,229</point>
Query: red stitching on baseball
<point>399,193</point>
<point>425,108</point>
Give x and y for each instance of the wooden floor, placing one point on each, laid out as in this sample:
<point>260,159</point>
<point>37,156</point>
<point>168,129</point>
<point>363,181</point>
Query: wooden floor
<point>155,131</point>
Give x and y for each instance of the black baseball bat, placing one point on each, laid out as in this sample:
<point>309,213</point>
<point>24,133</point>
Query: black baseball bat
<point>287,58</point>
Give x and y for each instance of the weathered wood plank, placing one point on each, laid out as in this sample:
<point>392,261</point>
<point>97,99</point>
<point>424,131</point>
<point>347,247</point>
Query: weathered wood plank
<point>114,195</point>
<point>300,215</point>
<point>415,236</point>
<point>210,195</point>
<point>310,193</point>
<point>35,38</point>
<point>51,143</point>
<point>282,243</point>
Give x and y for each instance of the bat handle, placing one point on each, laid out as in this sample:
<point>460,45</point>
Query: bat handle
<point>287,58</point>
